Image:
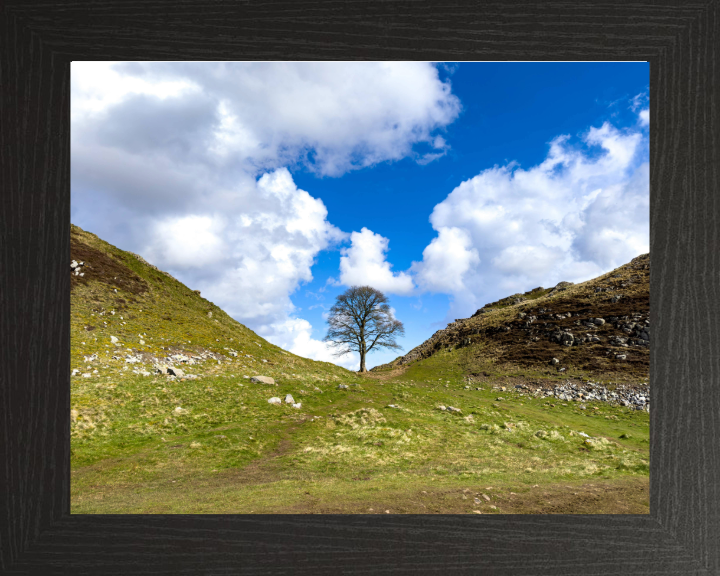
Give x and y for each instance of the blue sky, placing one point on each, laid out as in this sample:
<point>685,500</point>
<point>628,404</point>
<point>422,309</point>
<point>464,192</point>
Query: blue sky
<point>272,187</point>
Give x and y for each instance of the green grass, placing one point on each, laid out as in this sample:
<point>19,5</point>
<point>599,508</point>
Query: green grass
<point>229,451</point>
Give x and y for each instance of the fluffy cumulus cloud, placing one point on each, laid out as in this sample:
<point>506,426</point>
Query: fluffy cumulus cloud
<point>579,213</point>
<point>364,264</point>
<point>332,116</point>
<point>295,334</point>
<point>250,261</point>
<point>187,164</point>
<point>446,260</point>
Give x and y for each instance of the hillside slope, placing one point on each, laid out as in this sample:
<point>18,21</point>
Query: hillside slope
<point>597,329</point>
<point>127,314</point>
<point>167,417</point>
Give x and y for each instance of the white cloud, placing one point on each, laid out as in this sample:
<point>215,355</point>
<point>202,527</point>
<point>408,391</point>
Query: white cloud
<point>577,214</point>
<point>445,261</point>
<point>186,164</point>
<point>333,116</point>
<point>191,241</point>
<point>251,260</point>
<point>295,335</point>
<point>96,86</point>
<point>639,102</point>
<point>364,264</point>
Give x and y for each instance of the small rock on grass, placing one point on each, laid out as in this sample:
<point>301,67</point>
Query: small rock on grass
<point>289,399</point>
<point>275,400</point>
<point>262,380</point>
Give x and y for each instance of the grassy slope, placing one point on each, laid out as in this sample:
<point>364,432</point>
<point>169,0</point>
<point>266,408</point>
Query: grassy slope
<point>229,451</point>
<point>516,351</point>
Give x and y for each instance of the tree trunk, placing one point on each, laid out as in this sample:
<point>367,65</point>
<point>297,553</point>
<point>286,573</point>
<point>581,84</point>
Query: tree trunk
<point>362,357</point>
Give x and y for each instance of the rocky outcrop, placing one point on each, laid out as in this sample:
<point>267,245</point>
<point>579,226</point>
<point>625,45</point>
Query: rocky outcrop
<point>602,327</point>
<point>77,268</point>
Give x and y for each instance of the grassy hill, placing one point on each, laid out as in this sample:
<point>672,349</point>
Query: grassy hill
<point>605,322</point>
<point>166,418</point>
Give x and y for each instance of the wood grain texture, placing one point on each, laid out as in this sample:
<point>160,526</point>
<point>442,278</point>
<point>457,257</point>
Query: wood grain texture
<point>37,533</point>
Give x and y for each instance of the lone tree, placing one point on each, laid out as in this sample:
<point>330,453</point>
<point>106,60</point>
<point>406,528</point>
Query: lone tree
<point>361,321</point>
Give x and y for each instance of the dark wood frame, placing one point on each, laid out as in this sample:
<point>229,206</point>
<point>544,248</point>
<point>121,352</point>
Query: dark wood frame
<point>681,40</point>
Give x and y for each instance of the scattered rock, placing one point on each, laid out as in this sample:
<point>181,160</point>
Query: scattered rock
<point>289,399</point>
<point>275,400</point>
<point>554,361</point>
<point>342,387</point>
<point>297,405</point>
<point>263,380</point>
